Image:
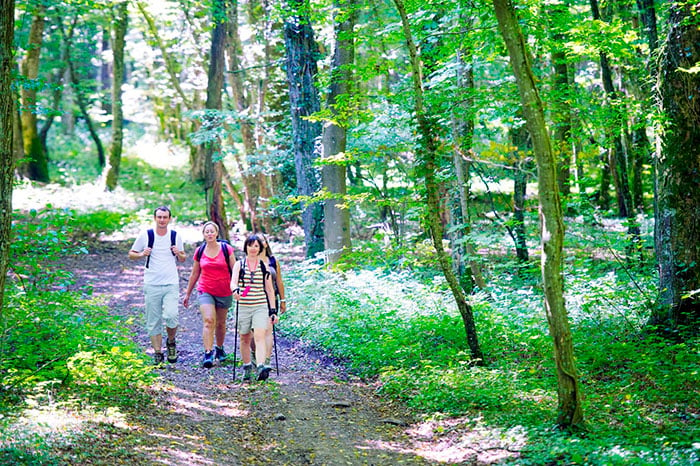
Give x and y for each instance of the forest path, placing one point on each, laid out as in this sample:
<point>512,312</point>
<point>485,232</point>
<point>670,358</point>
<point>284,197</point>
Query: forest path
<point>312,413</point>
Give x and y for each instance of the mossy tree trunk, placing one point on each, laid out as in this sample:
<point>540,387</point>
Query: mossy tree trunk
<point>570,412</point>
<point>213,184</point>
<point>7,28</point>
<point>427,153</point>
<point>37,167</point>
<point>120,24</point>
<point>304,101</point>
<point>677,234</point>
<point>335,209</point>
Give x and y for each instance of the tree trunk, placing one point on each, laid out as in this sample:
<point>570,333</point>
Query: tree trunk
<point>302,54</point>
<point>7,63</point>
<point>561,108</point>
<point>463,254</point>
<point>427,157</point>
<point>570,412</point>
<point>335,210</point>
<point>252,183</point>
<point>213,185</point>
<point>38,166</point>
<point>58,85</point>
<point>120,23</point>
<point>677,235</point>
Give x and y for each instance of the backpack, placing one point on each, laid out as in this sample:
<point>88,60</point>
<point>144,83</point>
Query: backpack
<point>152,237</point>
<point>241,272</point>
<point>224,247</point>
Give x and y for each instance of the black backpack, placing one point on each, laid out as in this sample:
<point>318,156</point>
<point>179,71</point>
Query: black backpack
<point>225,245</point>
<point>152,237</point>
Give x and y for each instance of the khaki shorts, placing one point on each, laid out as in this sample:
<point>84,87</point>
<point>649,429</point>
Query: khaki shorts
<point>252,317</point>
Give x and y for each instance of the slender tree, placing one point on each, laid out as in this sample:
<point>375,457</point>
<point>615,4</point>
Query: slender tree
<point>37,167</point>
<point>304,101</point>
<point>7,28</point>
<point>119,25</point>
<point>335,210</point>
<point>570,412</point>
<point>427,152</point>
<point>214,169</point>
<point>677,236</point>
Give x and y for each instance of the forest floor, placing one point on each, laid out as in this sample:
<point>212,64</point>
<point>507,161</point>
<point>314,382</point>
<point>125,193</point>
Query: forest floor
<point>313,412</point>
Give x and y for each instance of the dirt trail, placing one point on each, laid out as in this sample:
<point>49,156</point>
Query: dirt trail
<point>312,413</point>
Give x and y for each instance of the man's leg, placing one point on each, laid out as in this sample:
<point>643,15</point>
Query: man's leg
<point>171,300</point>
<point>154,319</point>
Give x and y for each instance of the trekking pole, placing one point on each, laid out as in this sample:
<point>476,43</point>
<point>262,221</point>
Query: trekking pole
<point>274,343</point>
<point>235,342</point>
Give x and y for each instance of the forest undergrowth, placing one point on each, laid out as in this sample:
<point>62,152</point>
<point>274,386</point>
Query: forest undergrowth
<point>387,314</point>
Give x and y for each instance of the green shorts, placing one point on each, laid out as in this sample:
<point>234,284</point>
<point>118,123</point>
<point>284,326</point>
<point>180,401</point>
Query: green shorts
<point>252,317</point>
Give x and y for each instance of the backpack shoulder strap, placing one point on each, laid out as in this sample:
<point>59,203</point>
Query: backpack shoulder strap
<point>199,252</point>
<point>227,254</point>
<point>151,239</point>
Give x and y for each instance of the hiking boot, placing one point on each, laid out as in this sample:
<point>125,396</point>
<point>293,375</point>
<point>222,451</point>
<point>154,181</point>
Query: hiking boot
<point>264,372</point>
<point>172,351</point>
<point>219,353</point>
<point>208,360</point>
<point>248,372</point>
<point>158,358</point>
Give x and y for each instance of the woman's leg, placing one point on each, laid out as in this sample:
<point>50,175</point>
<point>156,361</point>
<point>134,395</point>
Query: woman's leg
<point>245,347</point>
<point>208,325</point>
<point>260,345</point>
<point>221,316</point>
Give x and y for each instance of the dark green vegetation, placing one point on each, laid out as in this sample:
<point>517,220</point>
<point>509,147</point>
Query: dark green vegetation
<point>387,312</point>
<point>399,324</point>
<point>431,114</point>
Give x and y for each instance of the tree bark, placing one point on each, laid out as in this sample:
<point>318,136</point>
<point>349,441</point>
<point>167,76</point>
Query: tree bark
<point>302,53</point>
<point>677,236</point>
<point>570,412</point>
<point>523,143</point>
<point>335,210</point>
<point>213,185</point>
<point>7,63</point>
<point>120,25</point>
<point>463,254</point>
<point>253,183</point>
<point>561,108</point>
<point>37,167</point>
<point>427,156</point>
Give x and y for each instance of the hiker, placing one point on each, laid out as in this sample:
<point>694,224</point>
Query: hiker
<point>213,262</point>
<point>162,248</point>
<point>252,287</point>
<point>281,303</point>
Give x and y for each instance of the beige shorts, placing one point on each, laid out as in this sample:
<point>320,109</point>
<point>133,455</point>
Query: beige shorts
<point>252,317</point>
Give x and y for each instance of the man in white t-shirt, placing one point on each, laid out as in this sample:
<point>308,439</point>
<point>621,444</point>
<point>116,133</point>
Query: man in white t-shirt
<point>162,248</point>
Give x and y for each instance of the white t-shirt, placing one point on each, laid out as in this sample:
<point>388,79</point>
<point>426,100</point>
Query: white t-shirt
<point>162,268</point>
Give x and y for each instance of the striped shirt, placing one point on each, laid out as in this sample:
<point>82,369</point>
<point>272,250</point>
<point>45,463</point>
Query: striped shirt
<point>253,279</point>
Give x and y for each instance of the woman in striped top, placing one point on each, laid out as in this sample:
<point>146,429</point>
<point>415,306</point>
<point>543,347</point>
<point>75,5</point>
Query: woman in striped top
<point>252,288</point>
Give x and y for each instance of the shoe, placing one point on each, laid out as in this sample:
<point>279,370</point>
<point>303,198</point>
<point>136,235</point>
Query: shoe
<point>219,353</point>
<point>158,358</point>
<point>208,360</point>
<point>248,372</point>
<point>264,372</point>
<point>172,351</point>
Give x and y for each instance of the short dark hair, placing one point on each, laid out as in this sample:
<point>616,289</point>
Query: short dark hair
<point>250,240</point>
<point>164,209</point>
